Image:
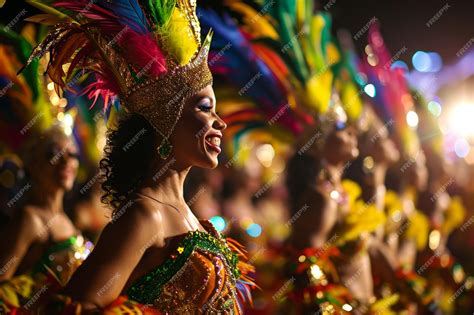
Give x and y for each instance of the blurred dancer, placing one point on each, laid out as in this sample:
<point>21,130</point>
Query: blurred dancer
<point>41,225</point>
<point>39,239</point>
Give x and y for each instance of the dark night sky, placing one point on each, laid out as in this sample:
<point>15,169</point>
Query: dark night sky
<point>403,22</point>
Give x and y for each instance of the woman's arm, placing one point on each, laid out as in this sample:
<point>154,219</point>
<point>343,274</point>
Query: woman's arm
<point>102,277</point>
<point>15,240</point>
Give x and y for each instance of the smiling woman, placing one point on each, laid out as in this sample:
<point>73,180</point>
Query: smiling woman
<point>148,54</point>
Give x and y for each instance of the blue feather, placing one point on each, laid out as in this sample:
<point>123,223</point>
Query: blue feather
<point>129,13</point>
<point>236,63</point>
<point>239,59</point>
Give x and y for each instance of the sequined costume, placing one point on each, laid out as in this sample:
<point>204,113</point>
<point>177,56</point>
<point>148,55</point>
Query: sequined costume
<point>206,274</point>
<point>314,284</point>
<point>203,275</point>
<point>57,264</point>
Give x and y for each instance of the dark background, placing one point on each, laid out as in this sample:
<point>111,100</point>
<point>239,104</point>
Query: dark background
<point>403,23</point>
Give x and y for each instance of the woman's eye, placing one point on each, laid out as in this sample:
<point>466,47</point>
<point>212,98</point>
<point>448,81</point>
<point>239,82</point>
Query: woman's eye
<point>206,107</point>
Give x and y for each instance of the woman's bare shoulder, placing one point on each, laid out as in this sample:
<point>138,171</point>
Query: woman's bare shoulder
<point>28,219</point>
<point>140,216</point>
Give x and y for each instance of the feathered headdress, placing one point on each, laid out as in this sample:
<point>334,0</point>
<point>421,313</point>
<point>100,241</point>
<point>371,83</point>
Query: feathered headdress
<point>23,105</point>
<point>147,53</point>
<point>252,86</point>
<point>393,99</point>
<point>303,41</point>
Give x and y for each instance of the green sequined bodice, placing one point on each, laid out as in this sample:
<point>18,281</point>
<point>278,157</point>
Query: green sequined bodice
<point>62,258</point>
<point>151,287</point>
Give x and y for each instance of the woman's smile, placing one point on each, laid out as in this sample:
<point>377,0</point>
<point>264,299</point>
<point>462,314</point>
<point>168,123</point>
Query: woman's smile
<point>213,142</point>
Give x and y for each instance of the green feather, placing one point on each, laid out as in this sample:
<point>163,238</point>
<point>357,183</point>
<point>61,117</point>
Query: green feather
<point>48,9</point>
<point>326,33</point>
<point>22,50</point>
<point>160,11</point>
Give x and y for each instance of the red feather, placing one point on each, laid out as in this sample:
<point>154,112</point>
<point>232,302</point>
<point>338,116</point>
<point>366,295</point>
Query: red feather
<point>143,50</point>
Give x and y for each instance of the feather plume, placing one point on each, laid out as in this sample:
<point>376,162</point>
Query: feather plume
<point>179,38</point>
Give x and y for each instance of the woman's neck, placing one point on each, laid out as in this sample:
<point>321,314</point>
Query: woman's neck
<point>167,182</point>
<point>374,188</point>
<point>51,200</point>
<point>334,171</point>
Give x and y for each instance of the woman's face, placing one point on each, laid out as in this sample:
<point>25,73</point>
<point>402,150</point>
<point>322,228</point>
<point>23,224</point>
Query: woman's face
<point>197,136</point>
<point>56,164</point>
<point>341,145</point>
<point>384,149</point>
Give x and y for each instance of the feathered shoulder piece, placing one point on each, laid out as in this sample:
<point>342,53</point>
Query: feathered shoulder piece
<point>146,52</point>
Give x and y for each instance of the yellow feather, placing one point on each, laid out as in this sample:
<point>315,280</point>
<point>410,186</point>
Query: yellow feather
<point>454,215</point>
<point>318,91</point>
<point>418,229</point>
<point>254,22</point>
<point>332,53</point>
<point>384,305</point>
<point>179,39</point>
<point>351,100</point>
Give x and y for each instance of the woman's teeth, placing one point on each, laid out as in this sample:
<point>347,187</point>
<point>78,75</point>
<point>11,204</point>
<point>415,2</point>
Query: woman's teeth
<point>214,143</point>
<point>214,140</point>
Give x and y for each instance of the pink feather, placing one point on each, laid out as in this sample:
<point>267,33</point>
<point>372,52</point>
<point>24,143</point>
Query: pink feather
<point>143,50</point>
<point>100,87</point>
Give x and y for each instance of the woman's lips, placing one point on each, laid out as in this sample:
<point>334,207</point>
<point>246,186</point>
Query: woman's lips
<point>214,142</point>
<point>66,173</point>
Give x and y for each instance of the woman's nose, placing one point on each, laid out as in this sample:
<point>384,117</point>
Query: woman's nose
<point>219,123</point>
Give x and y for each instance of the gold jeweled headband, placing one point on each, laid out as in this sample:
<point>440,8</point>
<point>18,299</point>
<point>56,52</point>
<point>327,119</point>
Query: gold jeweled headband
<point>170,92</point>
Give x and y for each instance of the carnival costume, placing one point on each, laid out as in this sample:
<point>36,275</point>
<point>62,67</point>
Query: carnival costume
<point>148,56</point>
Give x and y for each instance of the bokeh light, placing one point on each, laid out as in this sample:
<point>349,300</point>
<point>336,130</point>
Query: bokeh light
<point>427,61</point>
<point>461,120</point>
<point>461,147</point>
<point>435,108</point>
<point>412,119</point>
<point>421,61</point>
<point>218,222</point>
<point>369,89</point>
<point>254,230</point>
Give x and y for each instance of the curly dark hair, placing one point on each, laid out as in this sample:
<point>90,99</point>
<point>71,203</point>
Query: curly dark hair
<point>128,154</point>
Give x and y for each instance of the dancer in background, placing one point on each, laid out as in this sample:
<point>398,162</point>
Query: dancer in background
<point>445,213</point>
<point>39,239</point>
<point>154,250</point>
<point>306,79</point>
<point>40,230</point>
<point>253,167</point>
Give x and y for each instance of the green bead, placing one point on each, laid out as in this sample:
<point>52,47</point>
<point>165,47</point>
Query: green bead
<point>165,150</point>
